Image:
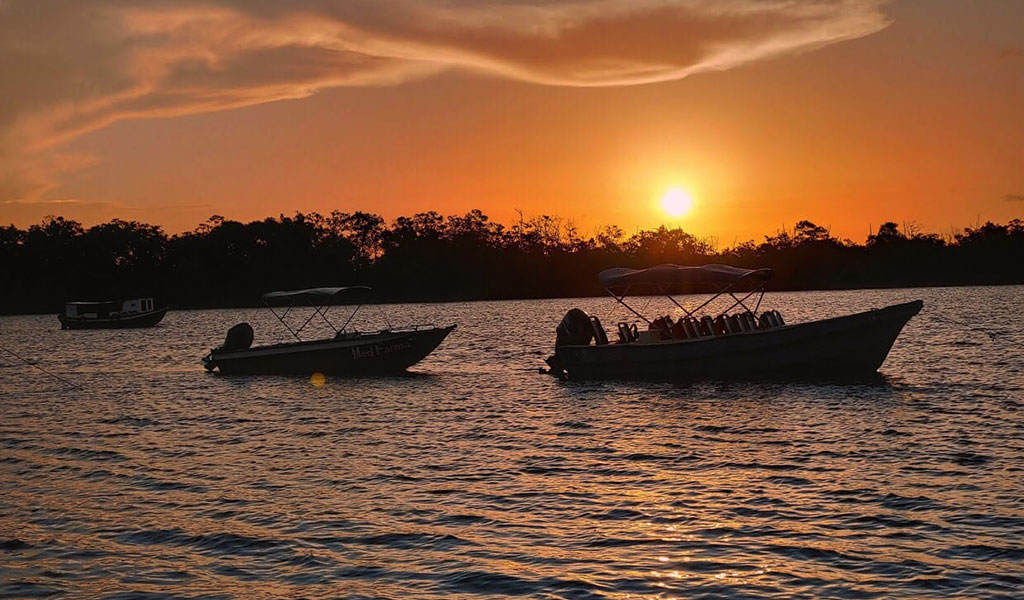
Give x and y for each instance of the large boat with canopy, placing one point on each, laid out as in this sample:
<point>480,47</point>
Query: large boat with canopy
<point>347,352</point>
<point>739,342</point>
<point>111,314</point>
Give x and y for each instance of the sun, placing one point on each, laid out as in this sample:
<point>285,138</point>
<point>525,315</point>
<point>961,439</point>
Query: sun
<point>676,202</point>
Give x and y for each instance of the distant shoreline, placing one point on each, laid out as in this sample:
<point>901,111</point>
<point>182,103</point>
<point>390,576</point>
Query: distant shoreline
<point>430,258</point>
<point>373,302</point>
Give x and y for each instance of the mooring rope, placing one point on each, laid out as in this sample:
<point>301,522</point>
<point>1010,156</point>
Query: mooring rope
<point>30,363</point>
<point>991,334</point>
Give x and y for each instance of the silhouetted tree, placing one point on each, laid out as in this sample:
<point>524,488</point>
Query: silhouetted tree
<point>429,256</point>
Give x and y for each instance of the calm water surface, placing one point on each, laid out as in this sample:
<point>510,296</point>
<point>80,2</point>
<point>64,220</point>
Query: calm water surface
<point>477,477</point>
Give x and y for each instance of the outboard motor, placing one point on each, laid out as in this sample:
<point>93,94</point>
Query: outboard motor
<point>575,329</point>
<point>239,337</point>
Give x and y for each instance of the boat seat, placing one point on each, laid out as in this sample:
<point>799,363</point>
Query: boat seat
<point>772,318</point>
<point>688,330</point>
<point>600,336</point>
<point>662,325</point>
<point>627,333</point>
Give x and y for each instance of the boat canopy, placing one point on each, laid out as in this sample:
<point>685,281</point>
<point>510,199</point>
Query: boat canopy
<point>320,299</point>
<point>678,279</point>
<point>96,304</point>
<point>323,295</point>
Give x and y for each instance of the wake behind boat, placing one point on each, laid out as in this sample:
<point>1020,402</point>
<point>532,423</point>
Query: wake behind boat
<point>349,352</point>
<point>111,314</point>
<point>743,344</point>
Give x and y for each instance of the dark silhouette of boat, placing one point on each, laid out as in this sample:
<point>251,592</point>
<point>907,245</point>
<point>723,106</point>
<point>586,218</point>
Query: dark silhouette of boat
<point>111,314</point>
<point>741,345</point>
<point>349,352</point>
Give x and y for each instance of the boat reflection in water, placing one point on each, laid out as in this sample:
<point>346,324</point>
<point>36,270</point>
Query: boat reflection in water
<point>737,343</point>
<point>349,352</point>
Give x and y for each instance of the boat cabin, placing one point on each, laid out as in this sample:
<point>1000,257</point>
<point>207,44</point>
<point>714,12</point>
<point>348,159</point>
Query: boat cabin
<point>108,309</point>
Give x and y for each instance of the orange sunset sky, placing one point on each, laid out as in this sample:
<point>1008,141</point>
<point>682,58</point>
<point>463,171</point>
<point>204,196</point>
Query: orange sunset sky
<point>845,112</point>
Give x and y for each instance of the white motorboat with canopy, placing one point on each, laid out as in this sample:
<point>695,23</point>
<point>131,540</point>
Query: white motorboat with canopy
<point>740,341</point>
<point>348,352</point>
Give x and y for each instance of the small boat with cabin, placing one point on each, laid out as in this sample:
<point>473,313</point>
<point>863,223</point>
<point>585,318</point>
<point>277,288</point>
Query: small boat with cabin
<point>111,314</point>
<point>347,352</point>
<point>740,342</point>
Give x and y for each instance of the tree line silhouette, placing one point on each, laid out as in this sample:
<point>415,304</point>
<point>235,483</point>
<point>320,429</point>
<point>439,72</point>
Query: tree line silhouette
<point>429,257</point>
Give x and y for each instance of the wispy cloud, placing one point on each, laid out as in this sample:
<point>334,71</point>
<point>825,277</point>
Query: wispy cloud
<point>69,67</point>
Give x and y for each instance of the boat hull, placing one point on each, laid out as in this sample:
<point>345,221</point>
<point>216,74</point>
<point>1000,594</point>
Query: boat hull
<point>381,353</point>
<point>849,346</point>
<point>135,320</point>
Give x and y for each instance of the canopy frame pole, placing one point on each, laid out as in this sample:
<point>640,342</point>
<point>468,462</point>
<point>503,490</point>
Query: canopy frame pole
<point>739,302</point>
<point>350,317</point>
<point>323,315</point>
<point>725,290</point>
<point>681,307</point>
<point>384,314</point>
<point>316,311</point>
<point>759,299</point>
<point>281,318</point>
<point>708,301</point>
<point>734,304</point>
<point>628,307</point>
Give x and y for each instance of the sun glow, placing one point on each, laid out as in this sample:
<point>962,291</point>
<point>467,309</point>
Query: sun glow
<point>676,202</point>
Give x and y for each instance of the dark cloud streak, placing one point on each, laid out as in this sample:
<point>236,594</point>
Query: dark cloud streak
<point>70,67</point>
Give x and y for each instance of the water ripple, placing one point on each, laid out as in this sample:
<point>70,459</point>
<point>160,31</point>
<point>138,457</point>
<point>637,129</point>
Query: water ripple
<point>477,478</point>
